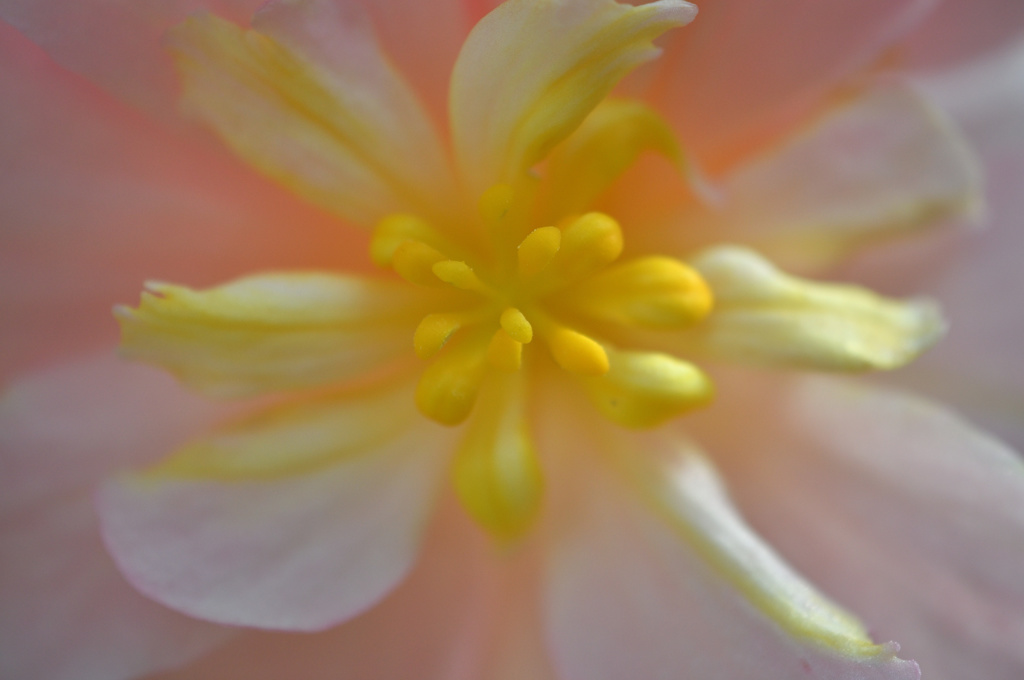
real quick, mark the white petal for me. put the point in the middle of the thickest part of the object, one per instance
(297, 520)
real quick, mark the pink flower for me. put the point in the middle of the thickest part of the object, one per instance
(631, 561)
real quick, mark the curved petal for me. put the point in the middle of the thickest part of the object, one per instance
(272, 332)
(882, 165)
(94, 199)
(655, 575)
(118, 45)
(978, 367)
(530, 72)
(762, 315)
(309, 98)
(897, 508)
(296, 520)
(69, 615)
(66, 428)
(466, 612)
(745, 71)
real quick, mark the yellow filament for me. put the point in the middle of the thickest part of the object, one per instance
(392, 232)
(494, 204)
(504, 352)
(434, 331)
(538, 249)
(448, 387)
(576, 352)
(414, 261)
(460, 275)
(516, 325)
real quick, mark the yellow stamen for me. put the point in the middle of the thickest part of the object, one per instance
(654, 292)
(393, 231)
(537, 250)
(494, 204)
(496, 472)
(414, 261)
(504, 352)
(576, 352)
(448, 387)
(516, 325)
(644, 389)
(460, 275)
(434, 331)
(590, 243)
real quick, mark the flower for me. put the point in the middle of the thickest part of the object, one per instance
(196, 532)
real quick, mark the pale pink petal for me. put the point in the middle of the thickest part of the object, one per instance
(962, 29)
(666, 581)
(296, 520)
(467, 611)
(94, 200)
(896, 507)
(118, 44)
(69, 615)
(977, 367)
(882, 165)
(744, 70)
(69, 426)
(309, 98)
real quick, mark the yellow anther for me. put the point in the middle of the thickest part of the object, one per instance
(504, 352)
(494, 204)
(653, 292)
(393, 231)
(460, 275)
(516, 325)
(644, 389)
(576, 352)
(434, 331)
(589, 243)
(414, 261)
(448, 387)
(537, 250)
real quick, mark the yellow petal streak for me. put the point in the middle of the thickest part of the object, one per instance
(496, 473)
(765, 316)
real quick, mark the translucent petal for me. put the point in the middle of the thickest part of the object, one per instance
(271, 332)
(530, 72)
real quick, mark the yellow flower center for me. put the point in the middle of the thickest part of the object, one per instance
(559, 284)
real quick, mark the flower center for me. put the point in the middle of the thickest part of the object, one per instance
(557, 283)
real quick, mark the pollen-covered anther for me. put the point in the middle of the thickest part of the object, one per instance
(652, 292)
(414, 261)
(588, 244)
(434, 331)
(576, 352)
(394, 230)
(495, 203)
(537, 250)
(448, 387)
(460, 275)
(515, 323)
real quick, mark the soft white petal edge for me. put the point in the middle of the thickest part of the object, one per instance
(269, 546)
(883, 164)
(662, 579)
